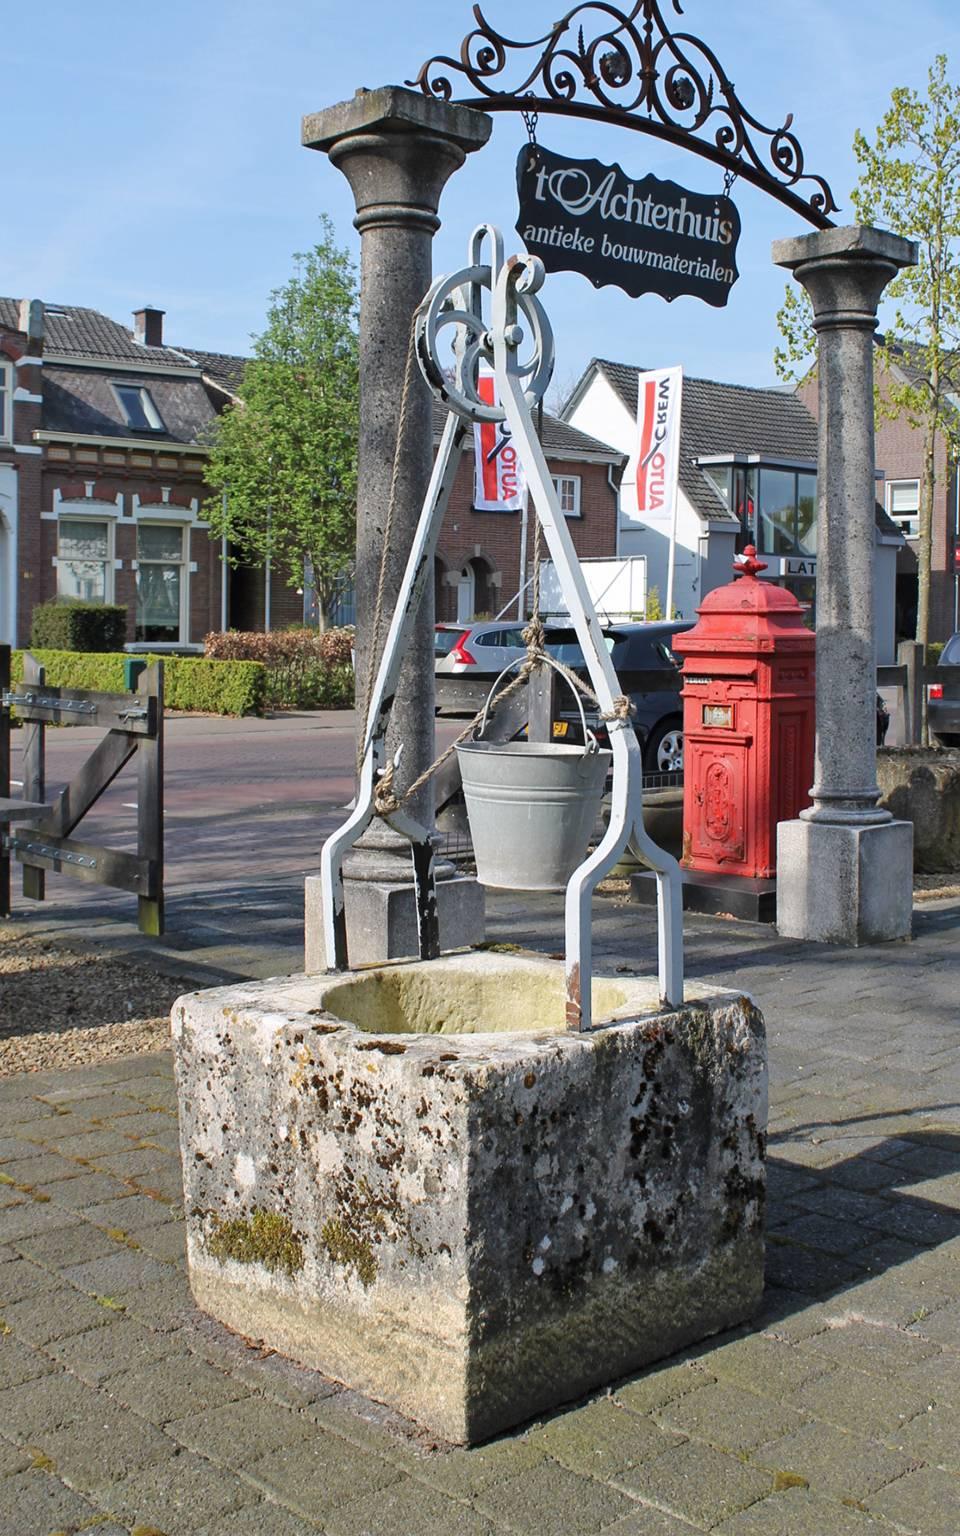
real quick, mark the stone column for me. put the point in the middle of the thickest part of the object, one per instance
(845, 868)
(397, 149)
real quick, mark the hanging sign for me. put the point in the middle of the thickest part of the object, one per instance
(644, 236)
(499, 484)
(649, 491)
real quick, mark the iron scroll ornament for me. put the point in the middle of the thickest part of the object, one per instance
(633, 72)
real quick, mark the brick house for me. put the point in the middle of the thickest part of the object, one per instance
(899, 457)
(478, 565)
(101, 478)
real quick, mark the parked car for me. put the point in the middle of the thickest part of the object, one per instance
(648, 671)
(943, 699)
(468, 658)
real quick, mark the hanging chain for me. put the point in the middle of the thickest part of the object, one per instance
(729, 177)
(530, 119)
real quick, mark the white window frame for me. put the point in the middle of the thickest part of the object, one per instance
(184, 525)
(71, 512)
(559, 481)
(908, 523)
(6, 401)
(155, 421)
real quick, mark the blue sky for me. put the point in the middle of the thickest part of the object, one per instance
(156, 154)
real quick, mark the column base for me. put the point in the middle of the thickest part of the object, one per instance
(844, 884)
(382, 919)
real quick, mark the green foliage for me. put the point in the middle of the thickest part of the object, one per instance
(305, 669)
(191, 683)
(286, 454)
(795, 321)
(72, 626)
(653, 609)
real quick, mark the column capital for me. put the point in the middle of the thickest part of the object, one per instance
(845, 271)
(397, 148)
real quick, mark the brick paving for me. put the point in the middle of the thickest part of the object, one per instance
(836, 1413)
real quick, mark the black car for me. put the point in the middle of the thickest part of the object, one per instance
(943, 698)
(648, 671)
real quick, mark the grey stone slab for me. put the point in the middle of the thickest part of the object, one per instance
(42, 1168)
(881, 1351)
(730, 1417)
(105, 1352)
(12, 1459)
(166, 1242)
(770, 1366)
(236, 1432)
(136, 1163)
(84, 1188)
(840, 1464)
(116, 1272)
(465, 1473)
(32, 1217)
(41, 1404)
(92, 1145)
(934, 1436)
(165, 1306)
(145, 1124)
(603, 1438)
(941, 1325)
(645, 1520)
(262, 1519)
(406, 1506)
(175, 1495)
(174, 1388)
(13, 1148)
(35, 1504)
(105, 1445)
(20, 1362)
(697, 1483)
(283, 1380)
(129, 1214)
(19, 1278)
(647, 1393)
(76, 1243)
(871, 1405)
(317, 1476)
(550, 1500)
(54, 1315)
(800, 1512)
(47, 1126)
(926, 1502)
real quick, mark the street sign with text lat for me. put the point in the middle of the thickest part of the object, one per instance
(644, 236)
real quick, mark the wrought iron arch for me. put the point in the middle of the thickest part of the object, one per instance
(632, 71)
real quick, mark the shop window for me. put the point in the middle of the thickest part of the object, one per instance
(161, 583)
(84, 565)
(139, 411)
(6, 403)
(903, 505)
(568, 494)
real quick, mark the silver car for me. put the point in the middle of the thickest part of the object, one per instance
(469, 657)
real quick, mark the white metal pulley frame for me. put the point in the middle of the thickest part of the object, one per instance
(517, 320)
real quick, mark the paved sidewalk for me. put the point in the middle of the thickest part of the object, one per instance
(836, 1414)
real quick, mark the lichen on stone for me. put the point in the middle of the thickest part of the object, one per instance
(265, 1238)
(345, 1247)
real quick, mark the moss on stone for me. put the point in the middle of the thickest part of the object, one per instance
(345, 1247)
(265, 1238)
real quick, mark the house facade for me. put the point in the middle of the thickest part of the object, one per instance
(899, 456)
(101, 479)
(747, 475)
(484, 561)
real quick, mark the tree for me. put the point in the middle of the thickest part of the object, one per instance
(910, 183)
(285, 453)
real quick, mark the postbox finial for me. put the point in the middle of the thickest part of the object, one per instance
(747, 564)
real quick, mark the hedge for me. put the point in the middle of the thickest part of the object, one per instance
(306, 668)
(58, 626)
(190, 682)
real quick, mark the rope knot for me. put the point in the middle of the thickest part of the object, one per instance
(622, 711)
(534, 636)
(385, 802)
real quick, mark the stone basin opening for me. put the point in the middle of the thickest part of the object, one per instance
(488, 997)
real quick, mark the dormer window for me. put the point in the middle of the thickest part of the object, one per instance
(139, 411)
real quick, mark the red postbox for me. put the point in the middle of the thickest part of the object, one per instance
(748, 724)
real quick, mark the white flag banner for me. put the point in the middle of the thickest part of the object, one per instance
(499, 484)
(650, 481)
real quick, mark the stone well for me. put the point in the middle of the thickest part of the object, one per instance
(415, 1180)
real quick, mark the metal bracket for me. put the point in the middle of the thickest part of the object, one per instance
(50, 701)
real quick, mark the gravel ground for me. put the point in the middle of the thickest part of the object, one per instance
(60, 1008)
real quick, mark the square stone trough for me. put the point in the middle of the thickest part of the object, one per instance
(414, 1179)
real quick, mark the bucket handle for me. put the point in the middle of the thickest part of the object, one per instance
(589, 740)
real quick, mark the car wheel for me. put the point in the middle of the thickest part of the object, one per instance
(664, 750)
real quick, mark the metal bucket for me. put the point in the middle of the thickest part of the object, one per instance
(532, 807)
